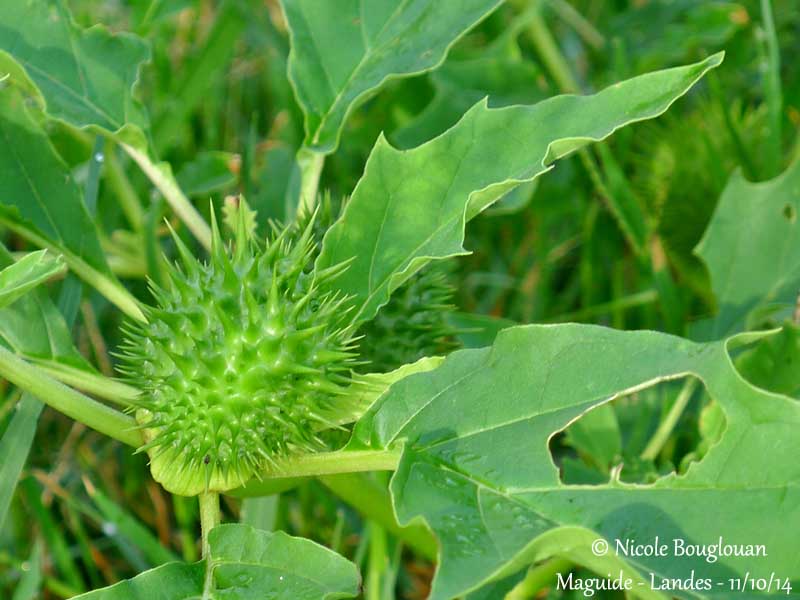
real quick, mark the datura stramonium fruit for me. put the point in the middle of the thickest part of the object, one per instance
(416, 317)
(243, 361)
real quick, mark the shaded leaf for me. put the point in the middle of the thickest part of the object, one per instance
(487, 486)
(341, 52)
(668, 31)
(15, 444)
(752, 250)
(198, 75)
(597, 435)
(411, 206)
(39, 197)
(774, 363)
(477, 330)
(85, 77)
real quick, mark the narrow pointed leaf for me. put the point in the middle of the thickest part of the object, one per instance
(35, 329)
(487, 486)
(30, 583)
(15, 445)
(411, 206)
(24, 275)
(342, 51)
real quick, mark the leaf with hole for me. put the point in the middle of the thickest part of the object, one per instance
(487, 486)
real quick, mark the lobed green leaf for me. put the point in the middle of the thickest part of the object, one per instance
(342, 51)
(752, 250)
(39, 198)
(246, 563)
(487, 486)
(411, 206)
(85, 77)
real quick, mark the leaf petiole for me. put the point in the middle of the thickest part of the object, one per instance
(664, 431)
(310, 164)
(161, 176)
(331, 463)
(98, 385)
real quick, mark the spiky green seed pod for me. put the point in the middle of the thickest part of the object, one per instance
(413, 324)
(241, 363)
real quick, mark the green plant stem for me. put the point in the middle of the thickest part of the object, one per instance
(287, 473)
(209, 518)
(637, 299)
(123, 190)
(160, 176)
(742, 151)
(256, 488)
(99, 385)
(660, 437)
(64, 399)
(550, 53)
(310, 164)
(329, 463)
(772, 90)
(378, 561)
(537, 578)
(579, 23)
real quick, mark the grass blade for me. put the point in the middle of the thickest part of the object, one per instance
(14, 447)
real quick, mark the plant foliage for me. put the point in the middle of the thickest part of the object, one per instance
(365, 397)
